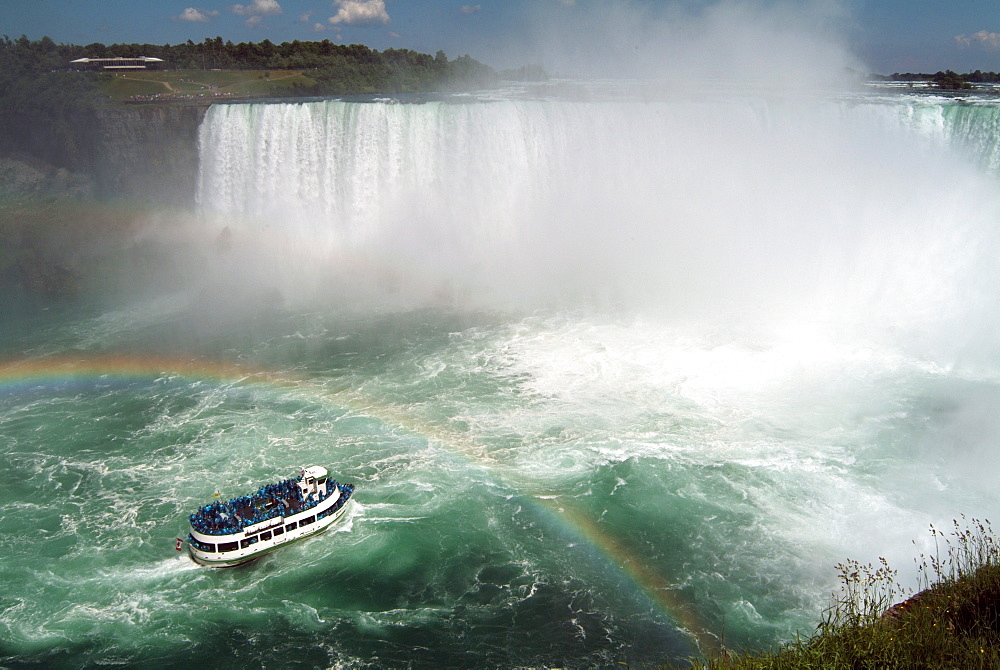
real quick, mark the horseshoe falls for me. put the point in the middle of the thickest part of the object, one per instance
(619, 377)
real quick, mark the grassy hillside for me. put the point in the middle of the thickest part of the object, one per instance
(143, 85)
(954, 622)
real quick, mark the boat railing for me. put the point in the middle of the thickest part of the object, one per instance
(270, 501)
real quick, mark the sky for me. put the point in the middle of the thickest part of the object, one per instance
(564, 36)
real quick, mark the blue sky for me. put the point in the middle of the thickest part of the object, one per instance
(882, 36)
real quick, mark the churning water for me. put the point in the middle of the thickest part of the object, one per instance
(619, 378)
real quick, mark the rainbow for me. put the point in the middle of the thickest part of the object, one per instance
(87, 368)
(21, 375)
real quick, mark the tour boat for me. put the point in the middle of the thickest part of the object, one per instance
(224, 534)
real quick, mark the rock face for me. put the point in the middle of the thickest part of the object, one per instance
(137, 152)
(72, 188)
(37, 275)
(26, 262)
(27, 178)
(148, 152)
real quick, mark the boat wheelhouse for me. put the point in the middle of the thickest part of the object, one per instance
(224, 534)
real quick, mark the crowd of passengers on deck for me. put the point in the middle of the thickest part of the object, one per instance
(270, 501)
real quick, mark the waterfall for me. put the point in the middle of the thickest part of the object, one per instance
(872, 211)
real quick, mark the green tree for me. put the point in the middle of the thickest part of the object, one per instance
(951, 81)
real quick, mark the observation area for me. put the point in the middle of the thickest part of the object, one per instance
(119, 63)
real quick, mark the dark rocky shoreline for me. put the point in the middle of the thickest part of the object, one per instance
(70, 196)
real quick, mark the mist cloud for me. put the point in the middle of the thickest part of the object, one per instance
(760, 41)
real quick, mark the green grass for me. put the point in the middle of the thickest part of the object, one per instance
(187, 84)
(279, 82)
(122, 89)
(953, 622)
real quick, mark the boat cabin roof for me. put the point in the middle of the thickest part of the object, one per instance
(314, 471)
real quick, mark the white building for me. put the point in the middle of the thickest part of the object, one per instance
(118, 63)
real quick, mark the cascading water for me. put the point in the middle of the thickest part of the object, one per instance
(615, 377)
(728, 205)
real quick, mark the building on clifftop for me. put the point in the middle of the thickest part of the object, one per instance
(119, 63)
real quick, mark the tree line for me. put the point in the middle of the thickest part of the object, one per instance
(28, 67)
(948, 79)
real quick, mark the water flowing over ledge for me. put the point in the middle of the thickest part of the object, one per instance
(759, 208)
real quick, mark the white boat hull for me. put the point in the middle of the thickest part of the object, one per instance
(248, 544)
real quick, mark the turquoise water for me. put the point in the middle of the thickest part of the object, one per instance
(551, 470)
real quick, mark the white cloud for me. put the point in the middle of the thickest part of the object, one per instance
(305, 16)
(984, 39)
(318, 27)
(257, 8)
(359, 12)
(471, 9)
(197, 15)
(254, 21)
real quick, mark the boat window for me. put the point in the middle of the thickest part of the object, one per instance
(228, 546)
(308, 520)
(265, 536)
(201, 546)
(279, 531)
(248, 541)
(292, 526)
